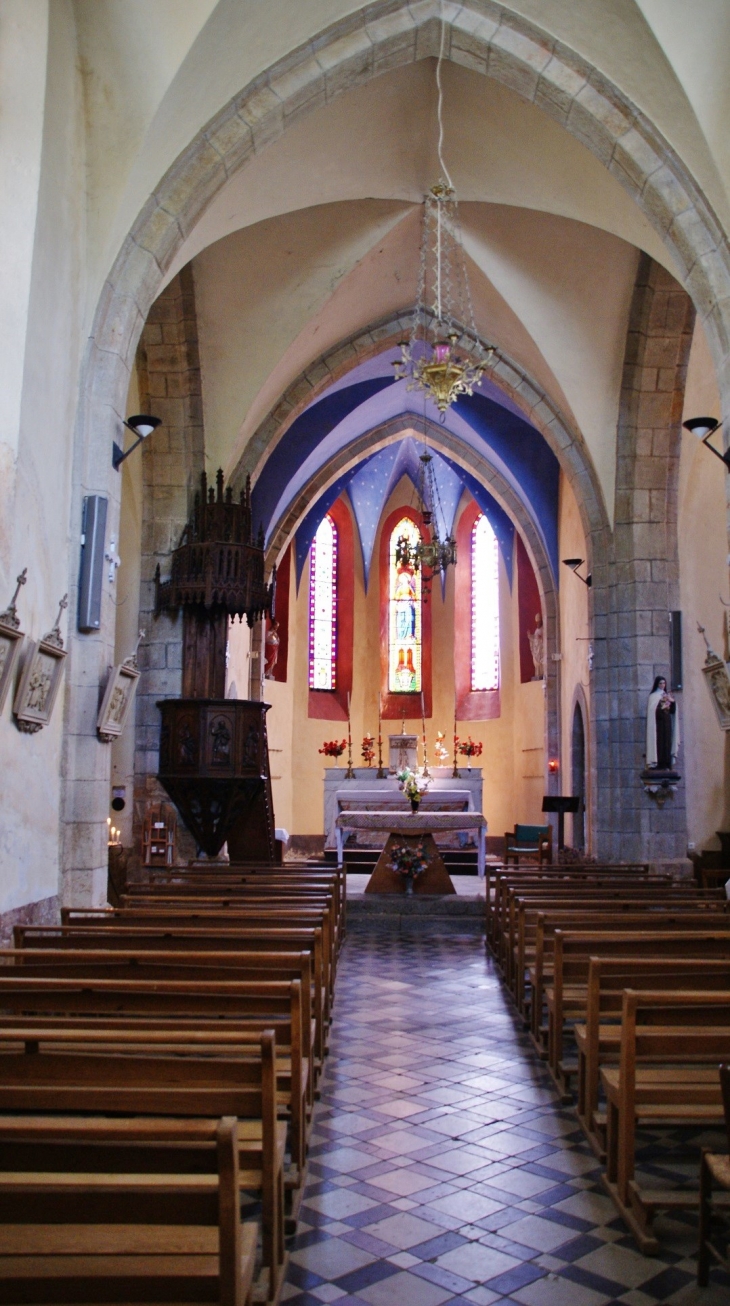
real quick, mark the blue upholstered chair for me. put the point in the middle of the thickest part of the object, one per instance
(529, 842)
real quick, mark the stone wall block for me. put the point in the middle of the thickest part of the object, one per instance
(635, 157)
(510, 71)
(138, 281)
(428, 34)
(557, 87)
(191, 183)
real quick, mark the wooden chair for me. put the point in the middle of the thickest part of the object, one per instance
(714, 1171)
(86, 1207)
(671, 1044)
(532, 842)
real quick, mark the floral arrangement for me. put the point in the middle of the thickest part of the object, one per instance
(440, 751)
(334, 747)
(409, 860)
(413, 786)
(367, 752)
(468, 748)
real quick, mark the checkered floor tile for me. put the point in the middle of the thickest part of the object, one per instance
(442, 1167)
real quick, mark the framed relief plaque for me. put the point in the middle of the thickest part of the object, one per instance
(117, 701)
(11, 642)
(39, 685)
(718, 683)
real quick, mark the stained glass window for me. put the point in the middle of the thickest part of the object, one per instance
(323, 607)
(404, 616)
(484, 606)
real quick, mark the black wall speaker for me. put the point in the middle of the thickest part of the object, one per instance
(675, 650)
(93, 530)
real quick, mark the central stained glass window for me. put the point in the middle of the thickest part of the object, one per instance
(404, 616)
(484, 606)
(323, 607)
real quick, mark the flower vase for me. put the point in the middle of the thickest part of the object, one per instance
(415, 804)
(409, 886)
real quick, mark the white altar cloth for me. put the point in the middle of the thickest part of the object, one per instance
(442, 786)
(410, 823)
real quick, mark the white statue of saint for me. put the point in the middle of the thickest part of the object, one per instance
(537, 648)
(662, 728)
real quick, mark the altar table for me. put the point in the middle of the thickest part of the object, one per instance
(412, 823)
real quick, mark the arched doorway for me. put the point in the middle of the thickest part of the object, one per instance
(578, 776)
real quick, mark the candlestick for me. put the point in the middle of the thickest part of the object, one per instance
(455, 773)
(381, 772)
(426, 771)
(349, 773)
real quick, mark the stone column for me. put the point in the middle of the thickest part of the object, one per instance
(169, 376)
(637, 585)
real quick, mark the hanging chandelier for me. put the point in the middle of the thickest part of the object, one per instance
(438, 552)
(443, 355)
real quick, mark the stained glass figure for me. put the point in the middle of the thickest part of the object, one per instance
(404, 617)
(323, 607)
(484, 606)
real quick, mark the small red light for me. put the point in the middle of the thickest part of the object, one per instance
(553, 765)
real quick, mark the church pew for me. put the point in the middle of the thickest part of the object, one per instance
(107, 1209)
(523, 905)
(497, 913)
(635, 916)
(258, 922)
(261, 1004)
(497, 875)
(34, 1078)
(537, 919)
(599, 888)
(680, 1087)
(287, 890)
(279, 878)
(266, 945)
(244, 896)
(508, 887)
(597, 1031)
(255, 958)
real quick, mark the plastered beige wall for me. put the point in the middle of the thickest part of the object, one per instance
(38, 478)
(705, 752)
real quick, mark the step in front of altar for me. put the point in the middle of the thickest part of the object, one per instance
(397, 913)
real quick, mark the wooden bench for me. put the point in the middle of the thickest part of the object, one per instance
(520, 935)
(710, 918)
(495, 874)
(704, 963)
(259, 1004)
(258, 924)
(278, 881)
(101, 1209)
(38, 1075)
(666, 1077)
(507, 884)
(270, 943)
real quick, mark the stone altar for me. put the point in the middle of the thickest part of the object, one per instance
(364, 792)
(410, 825)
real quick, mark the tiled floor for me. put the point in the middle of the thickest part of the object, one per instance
(442, 1168)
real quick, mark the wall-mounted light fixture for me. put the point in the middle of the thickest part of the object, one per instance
(141, 425)
(574, 564)
(703, 428)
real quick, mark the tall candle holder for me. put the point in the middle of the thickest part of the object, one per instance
(349, 773)
(381, 772)
(425, 773)
(455, 773)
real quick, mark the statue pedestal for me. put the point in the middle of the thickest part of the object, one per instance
(435, 878)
